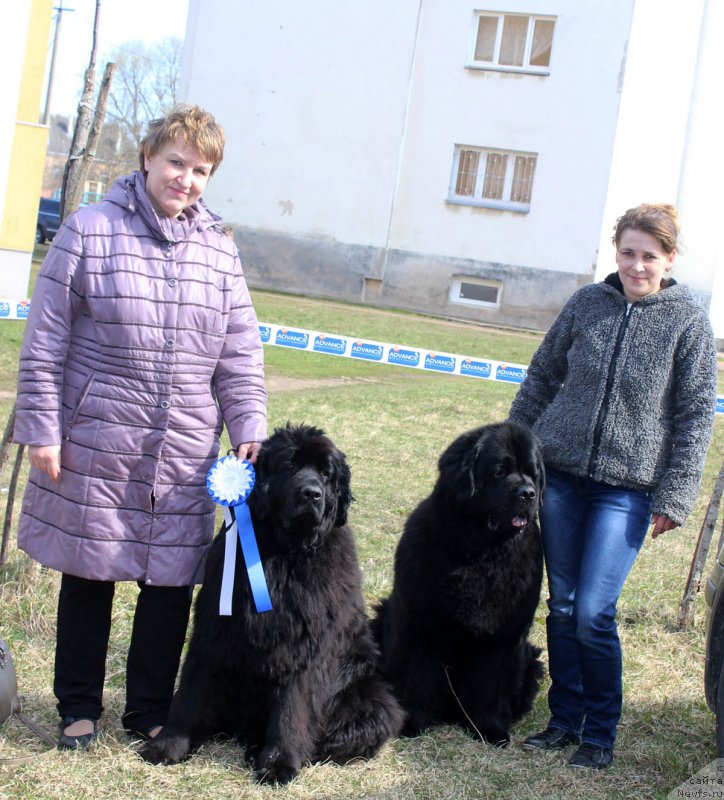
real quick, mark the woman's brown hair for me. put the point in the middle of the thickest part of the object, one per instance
(197, 127)
(658, 219)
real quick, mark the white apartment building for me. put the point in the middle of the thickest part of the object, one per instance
(460, 159)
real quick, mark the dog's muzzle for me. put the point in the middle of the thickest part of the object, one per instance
(309, 493)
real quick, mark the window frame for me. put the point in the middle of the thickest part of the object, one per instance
(459, 280)
(526, 67)
(477, 199)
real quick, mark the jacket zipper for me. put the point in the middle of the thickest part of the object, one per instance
(603, 411)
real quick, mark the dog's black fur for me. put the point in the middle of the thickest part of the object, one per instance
(468, 570)
(299, 683)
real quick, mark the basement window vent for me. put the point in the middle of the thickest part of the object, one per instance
(476, 292)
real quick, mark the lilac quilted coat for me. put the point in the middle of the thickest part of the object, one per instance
(141, 342)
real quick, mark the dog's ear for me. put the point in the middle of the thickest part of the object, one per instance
(344, 493)
(457, 465)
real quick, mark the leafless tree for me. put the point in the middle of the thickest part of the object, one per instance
(145, 86)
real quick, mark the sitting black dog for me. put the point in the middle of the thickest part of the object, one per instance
(468, 572)
(299, 683)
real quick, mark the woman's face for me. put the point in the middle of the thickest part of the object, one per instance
(642, 263)
(177, 175)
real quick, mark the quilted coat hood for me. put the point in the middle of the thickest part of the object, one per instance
(129, 193)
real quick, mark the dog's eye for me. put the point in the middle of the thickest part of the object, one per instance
(500, 471)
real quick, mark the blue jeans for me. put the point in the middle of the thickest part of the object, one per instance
(592, 533)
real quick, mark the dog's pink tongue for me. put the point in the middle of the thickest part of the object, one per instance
(519, 522)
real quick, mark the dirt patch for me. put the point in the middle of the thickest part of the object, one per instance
(283, 383)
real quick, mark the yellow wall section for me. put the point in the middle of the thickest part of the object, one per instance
(17, 229)
(36, 49)
(24, 181)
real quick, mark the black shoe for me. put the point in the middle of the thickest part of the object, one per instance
(591, 756)
(82, 742)
(549, 739)
(145, 734)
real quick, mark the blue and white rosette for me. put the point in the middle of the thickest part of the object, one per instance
(230, 482)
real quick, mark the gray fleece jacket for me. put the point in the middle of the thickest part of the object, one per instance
(626, 394)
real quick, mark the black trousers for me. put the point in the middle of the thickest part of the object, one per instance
(84, 626)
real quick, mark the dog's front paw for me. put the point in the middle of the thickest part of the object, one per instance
(494, 736)
(274, 767)
(416, 722)
(166, 749)
(251, 755)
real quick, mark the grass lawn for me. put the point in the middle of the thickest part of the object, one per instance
(392, 423)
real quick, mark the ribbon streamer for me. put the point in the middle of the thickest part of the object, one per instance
(230, 482)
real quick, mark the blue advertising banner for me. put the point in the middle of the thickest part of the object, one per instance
(352, 347)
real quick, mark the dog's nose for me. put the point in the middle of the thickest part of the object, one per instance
(526, 494)
(312, 493)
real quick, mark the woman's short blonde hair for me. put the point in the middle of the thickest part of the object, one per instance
(197, 127)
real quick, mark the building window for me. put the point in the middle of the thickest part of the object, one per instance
(475, 291)
(492, 178)
(511, 42)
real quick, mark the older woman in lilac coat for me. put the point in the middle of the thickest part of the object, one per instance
(142, 342)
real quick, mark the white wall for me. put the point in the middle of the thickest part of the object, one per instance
(312, 97)
(653, 121)
(342, 120)
(700, 199)
(668, 141)
(567, 117)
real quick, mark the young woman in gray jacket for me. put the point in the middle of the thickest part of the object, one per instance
(621, 393)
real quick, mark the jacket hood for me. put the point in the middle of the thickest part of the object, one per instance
(129, 192)
(671, 291)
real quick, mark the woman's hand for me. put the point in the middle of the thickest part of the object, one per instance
(248, 451)
(661, 524)
(46, 458)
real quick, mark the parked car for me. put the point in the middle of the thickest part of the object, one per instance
(714, 667)
(48, 219)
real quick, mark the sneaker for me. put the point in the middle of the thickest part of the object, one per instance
(76, 741)
(591, 756)
(549, 739)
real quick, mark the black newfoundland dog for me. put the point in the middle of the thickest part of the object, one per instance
(468, 571)
(299, 683)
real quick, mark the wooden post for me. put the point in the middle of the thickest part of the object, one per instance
(7, 438)
(76, 165)
(686, 607)
(84, 150)
(12, 489)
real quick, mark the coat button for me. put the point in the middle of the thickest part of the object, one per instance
(165, 404)
(170, 343)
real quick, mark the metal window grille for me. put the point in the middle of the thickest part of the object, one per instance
(467, 172)
(493, 177)
(520, 190)
(495, 169)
